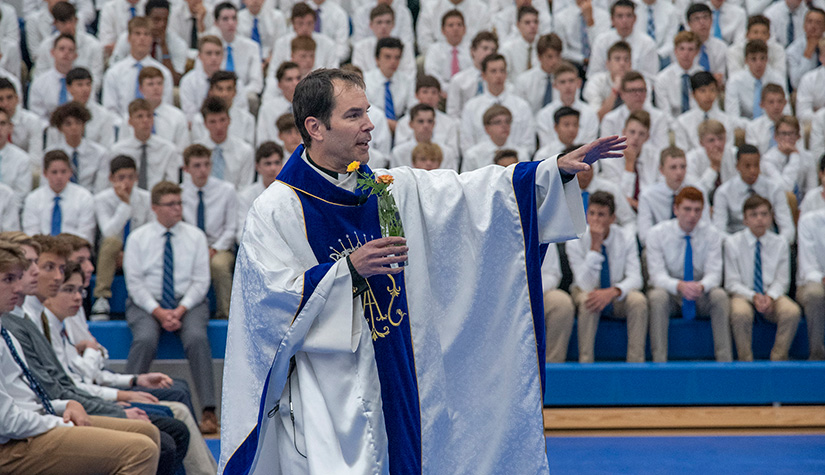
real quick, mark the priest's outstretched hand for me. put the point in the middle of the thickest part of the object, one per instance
(584, 156)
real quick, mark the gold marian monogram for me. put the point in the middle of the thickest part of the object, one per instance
(376, 317)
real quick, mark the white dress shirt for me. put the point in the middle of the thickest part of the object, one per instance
(162, 156)
(779, 14)
(740, 92)
(515, 49)
(271, 109)
(39, 25)
(402, 155)
(588, 122)
(334, 24)
(9, 40)
(644, 57)
(76, 207)
(568, 25)
(89, 55)
(445, 130)
(401, 88)
(402, 30)
(647, 171)
(810, 96)
(239, 157)
(241, 125)
(170, 124)
(811, 252)
(504, 20)
(114, 19)
(531, 86)
(464, 86)
(247, 61)
(143, 264)
(656, 205)
(776, 58)
(93, 167)
(16, 171)
(717, 51)
(326, 55)
(181, 22)
(271, 26)
(666, 245)
(760, 133)
(194, 86)
(665, 21)
(363, 56)
(28, 133)
(120, 81)
(220, 210)
(476, 18)
(800, 64)
(814, 200)
(732, 22)
(668, 86)
(44, 93)
(438, 62)
(522, 130)
(729, 198)
(112, 213)
(625, 216)
(740, 249)
(481, 154)
(795, 173)
(245, 199)
(686, 126)
(176, 46)
(622, 257)
(700, 172)
(102, 127)
(9, 209)
(614, 121)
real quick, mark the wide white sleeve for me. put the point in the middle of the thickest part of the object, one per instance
(557, 202)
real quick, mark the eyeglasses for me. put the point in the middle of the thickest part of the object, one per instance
(786, 134)
(638, 90)
(501, 122)
(171, 204)
(71, 289)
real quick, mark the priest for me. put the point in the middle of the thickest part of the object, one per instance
(339, 360)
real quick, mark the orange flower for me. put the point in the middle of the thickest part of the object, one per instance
(384, 179)
(353, 166)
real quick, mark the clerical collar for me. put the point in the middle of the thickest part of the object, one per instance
(329, 172)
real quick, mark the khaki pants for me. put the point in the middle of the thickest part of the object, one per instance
(633, 308)
(558, 324)
(714, 303)
(221, 266)
(110, 247)
(784, 312)
(109, 445)
(812, 298)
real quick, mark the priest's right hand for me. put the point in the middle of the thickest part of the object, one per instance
(374, 257)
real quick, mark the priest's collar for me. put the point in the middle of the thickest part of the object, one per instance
(302, 174)
(329, 172)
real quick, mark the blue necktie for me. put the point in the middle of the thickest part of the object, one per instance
(230, 60)
(154, 119)
(480, 88)
(672, 204)
(389, 106)
(126, 230)
(651, 25)
(604, 280)
(201, 212)
(704, 61)
(585, 39)
(167, 299)
(585, 200)
(772, 143)
(791, 30)
(688, 306)
(717, 30)
(757, 269)
(548, 92)
(138, 94)
(256, 35)
(132, 12)
(757, 98)
(33, 383)
(57, 217)
(685, 92)
(75, 167)
(218, 163)
(317, 20)
(64, 93)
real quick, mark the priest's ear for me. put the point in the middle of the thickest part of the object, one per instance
(315, 128)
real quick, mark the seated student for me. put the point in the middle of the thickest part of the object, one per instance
(181, 18)
(302, 52)
(402, 21)
(119, 209)
(566, 126)
(48, 89)
(731, 195)
(382, 24)
(806, 49)
(382, 137)
(427, 156)
(61, 206)
(261, 25)
(536, 84)
(497, 124)
(634, 92)
(269, 159)
(558, 308)
(15, 166)
(661, 21)
(211, 204)
(468, 83)
(788, 163)
(684, 261)
(810, 279)
(673, 92)
(566, 82)
(705, 93)
(157, 159)
(607, 279)
(656, 200)
(277, 103)
(428, 91)
(74, 441)
(728, 20)
(87, 157)
(450, 55)
(757, 276)
(520, 47)
(714, 162)
(815, 198)
(114, 19)
(170, 294)
(760, 131)
(28, 127)
(809, 95)
(504, 18)
(590, 183)
(194, 85)
(169, 122)
(422, 123)
(100, 128)
(759, 28)
(223, 85)
(288, 134)
(578, 26)
(494, 74)
(712, 50)
(302, 19)
(386, 89)
(639, 168)
(744, 88)
(231, 156)
(9, 210)
(645, 58)
(428, 27)
(602, 90)
(242, 56)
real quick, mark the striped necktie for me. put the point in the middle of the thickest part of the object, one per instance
(33, 383)
(201, 212)
(757, 269)
(167, 299)
(651, 25)
(75, 167)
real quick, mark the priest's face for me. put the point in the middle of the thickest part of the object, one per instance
(348, 136)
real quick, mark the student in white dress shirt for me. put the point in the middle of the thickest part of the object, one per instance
(566, 128)
(674, 95)
(590, 183)
(728, 19)
(712, 50)
(28, 127)
(639, 168)
(223, 85)
(119, 210)
(744, 88)
(607, 279)
(233, 159)
(536, 84)
(428, 91)
(660, 20)
(386, 88)
(810, 291)
(120, 83)
(788, 163)
(262, 25)
(167, 47)
(633, 91)
(269, 159)
(61, 206)
(450, 56)
(714, 162)
(114, 20)
(729, 198)
(623, 17)
(102, 125)
(695, 289)
(504, 17)
(781, 13)
(602, 90)
(558, 308)
(194, 85)
(428, 30)
(48, 90)
(759, 28)
(815, 198)
(520, 48)
(705, 95)
(402, 21)
(242, 56)
(302, 19)
(381, 25)
(15, 165)
(581, 21)
(567, 83)
(497, 122)
(87, 158)
(38, 23)
(806, 48)
(332, 21)
(421, 124)
(468, 84)
(211, 204)
(810, 96)
(277, 103)
(760, 131)
(191, 19)
(757, 276)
